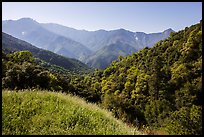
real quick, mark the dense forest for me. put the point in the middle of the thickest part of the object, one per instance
(158, 87)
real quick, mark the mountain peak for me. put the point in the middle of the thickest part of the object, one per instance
(169, 30)
(123, 30)
(101, 30)
(25, 19)
(28, 20)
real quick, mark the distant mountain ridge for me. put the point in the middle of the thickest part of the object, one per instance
(96, 40)
(83, 45)
(31, 31)
(100, 42)
(10, 43)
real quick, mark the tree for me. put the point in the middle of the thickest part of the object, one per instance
(43, 79)
(21, 56)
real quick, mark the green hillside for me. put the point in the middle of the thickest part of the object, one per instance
(30, 112)
(160, 86)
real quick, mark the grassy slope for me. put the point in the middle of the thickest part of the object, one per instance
(42, 112)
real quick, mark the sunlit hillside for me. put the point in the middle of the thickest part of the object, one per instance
(41, 112)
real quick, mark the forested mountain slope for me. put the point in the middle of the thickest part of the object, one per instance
(160, 86)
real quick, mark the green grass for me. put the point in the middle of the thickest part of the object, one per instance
(50, 113)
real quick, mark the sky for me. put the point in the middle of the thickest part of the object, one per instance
(148, 17)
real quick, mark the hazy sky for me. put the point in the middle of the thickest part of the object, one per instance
(134, 16)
